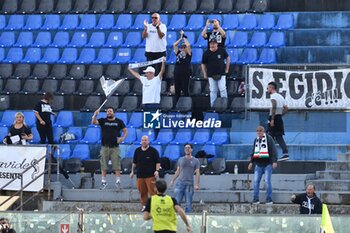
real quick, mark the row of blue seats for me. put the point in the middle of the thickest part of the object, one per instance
(123, 56)
(126, 21)
(79, 39)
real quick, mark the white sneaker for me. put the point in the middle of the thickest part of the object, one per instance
(118, 186)
(143, 208)
(103, 186)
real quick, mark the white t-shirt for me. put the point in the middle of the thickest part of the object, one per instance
(153, 43)
(151, 90)
(280, 102)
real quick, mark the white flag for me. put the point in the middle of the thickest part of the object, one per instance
(109, 86)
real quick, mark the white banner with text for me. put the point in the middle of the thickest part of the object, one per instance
(15, 159)
(311, 90)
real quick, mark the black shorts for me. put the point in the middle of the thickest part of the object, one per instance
(278, 129)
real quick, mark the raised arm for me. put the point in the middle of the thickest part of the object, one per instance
(188, 46)
(162, 70)
(205, 29)
(222, 32)
(134, 73)
(94, 120)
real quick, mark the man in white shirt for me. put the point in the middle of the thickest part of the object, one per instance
(155, 35)
(276, 127)
(151, 86)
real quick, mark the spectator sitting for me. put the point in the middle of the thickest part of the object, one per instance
(19, 131)
(309, 202)
(182, 70)
(151, 86)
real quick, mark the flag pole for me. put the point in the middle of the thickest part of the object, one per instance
(99, 109)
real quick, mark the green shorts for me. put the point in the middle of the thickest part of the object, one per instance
(110, 153)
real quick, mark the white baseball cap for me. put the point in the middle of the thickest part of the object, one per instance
(149, 69)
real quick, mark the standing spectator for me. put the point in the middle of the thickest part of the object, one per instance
(162, 209)
(217, 33)
(5, 226)
(309, 202)
(155, 35)
(276, 127)
(264, 156)
(147, 163)
(215, 66)
(20, 129)
(187, 166)
(151, 87)
(43, 113)
(110, 139)
(182, 70)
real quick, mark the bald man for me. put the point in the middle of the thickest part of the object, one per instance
(309, 202)
(155, 35)
(146, 160)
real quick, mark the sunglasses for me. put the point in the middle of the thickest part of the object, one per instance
(154, 17)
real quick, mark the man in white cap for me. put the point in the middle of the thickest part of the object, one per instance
(151, 86)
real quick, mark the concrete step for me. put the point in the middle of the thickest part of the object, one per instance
(208, 196)
(330, 184)
(337, 166)
(219, 208)
(336, 175)
(343, 157)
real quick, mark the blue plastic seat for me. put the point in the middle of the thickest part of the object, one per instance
(230, 22)
(52, 22)
(92, 135)
(248, 22)
(25, 39)
(105, 56)
(2, 54)
(234, 55)
(201, 42)
(164, 19)
(195, 22)
(33, 55)
(51, 55)
(171, 37)
(124, 21)
(87, 56)
(136, 120)
(2, 22)
(3, 132)
(133, 39)
(148, 132)
(197, 54)
(182, 136)
(69, 55)
(33, 22)
(240, 39)
(158, 148)
(16, 22)
(79, 39)
(14, 55)
(210, 150)
(65, 151)
(7, 118)
(138, 23)
(81, 151)
(61, 39)
(57, 132)
(171, 58)
(284, 22)
(115, 39)
(191, 37)
(172, 152)
(7, 39)
(219, 137)
(131, 151)
(123, 56)
(276, 40)
(105, 22)
(64, 119)
(87, 22)
(70, 22)
(131, 137)
(77, 132)
(201, 136)
(258, 40)
(43, 39)
(215, 16)
(36, 136)
(249, 56)
(122, 116)
(177, 22)
(164, 136)
(267, 56)
(266, 22)
(139, 56)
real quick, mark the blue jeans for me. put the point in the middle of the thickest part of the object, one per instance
(182, 190)
(214, 85)
(258, 172)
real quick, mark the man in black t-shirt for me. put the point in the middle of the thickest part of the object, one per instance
(215, 66)
(217, 33)
(110, 135)
(146, 160)
(43, 111)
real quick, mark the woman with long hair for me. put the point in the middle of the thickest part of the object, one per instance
(19, 128)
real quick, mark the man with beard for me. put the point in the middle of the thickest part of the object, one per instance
(217, 33)
(110, 139)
